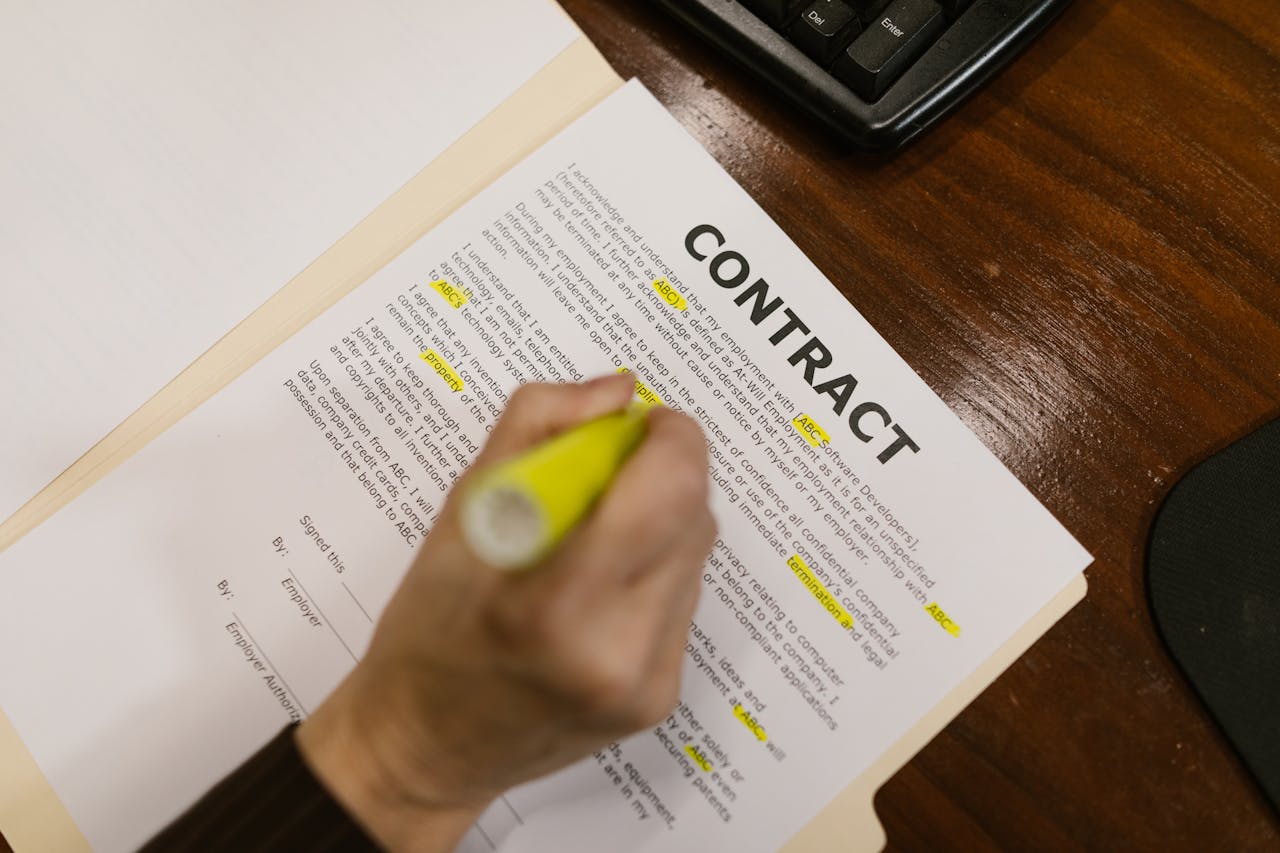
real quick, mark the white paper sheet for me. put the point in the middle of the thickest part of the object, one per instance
(164, 168)
(222, 581)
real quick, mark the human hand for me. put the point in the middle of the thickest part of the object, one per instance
(477, 680)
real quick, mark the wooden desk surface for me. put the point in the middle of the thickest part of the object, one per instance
(1084, 262)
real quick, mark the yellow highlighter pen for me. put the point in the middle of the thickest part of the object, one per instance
(518, 511)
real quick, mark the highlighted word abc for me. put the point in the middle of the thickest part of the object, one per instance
(810, 431)
(454, 295)
(744, 717)
(670, 295)
(699, 758)
(940, 616)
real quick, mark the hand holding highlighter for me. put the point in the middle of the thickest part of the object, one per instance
(480, 678)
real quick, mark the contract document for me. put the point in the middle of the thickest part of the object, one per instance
(220, 583)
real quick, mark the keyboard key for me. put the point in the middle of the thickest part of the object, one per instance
(775, 13)
(888, 46)
(824, 29)
(953, 8)
(868, 9)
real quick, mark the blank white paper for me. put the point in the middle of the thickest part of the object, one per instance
(165, 167)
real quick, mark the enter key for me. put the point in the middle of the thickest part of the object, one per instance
(890, 43)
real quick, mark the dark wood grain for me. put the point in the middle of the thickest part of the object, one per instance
(1084, 262)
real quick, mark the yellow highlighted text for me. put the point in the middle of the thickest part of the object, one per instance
(699, 758)
(940, 616)
(454, 295)
(646, 394)
(443, 370)
(820, 592)
(670, 295)
(744, 717)
(810, 431)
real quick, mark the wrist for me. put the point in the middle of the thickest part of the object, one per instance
(353, 751)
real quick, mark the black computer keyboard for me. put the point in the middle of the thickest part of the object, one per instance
(877, 71)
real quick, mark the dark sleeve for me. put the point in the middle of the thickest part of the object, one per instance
(271, 802)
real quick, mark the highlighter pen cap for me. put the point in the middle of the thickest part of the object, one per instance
(516, 512)
(504, 525)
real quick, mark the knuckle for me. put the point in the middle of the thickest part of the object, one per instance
(606, 684)
(690, 432)
(506, 625)
(680, 426)
(523, 625)
(710, 527)
(654, 706)
(531, 395)
(687, 485)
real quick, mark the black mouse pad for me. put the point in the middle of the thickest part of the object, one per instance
(1213, 575)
